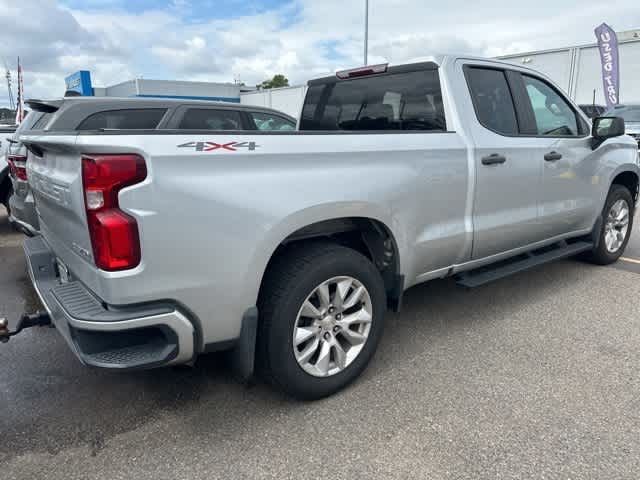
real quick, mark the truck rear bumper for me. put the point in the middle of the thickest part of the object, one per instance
(132, 337)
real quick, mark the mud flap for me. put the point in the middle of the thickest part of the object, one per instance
(242, 355)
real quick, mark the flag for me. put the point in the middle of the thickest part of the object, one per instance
(609, 56)
(20, 100)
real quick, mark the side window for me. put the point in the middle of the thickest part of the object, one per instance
(268, 122)
(492, 100)
(131, 119)
(210, 119)
(554, 116)
(394, 101)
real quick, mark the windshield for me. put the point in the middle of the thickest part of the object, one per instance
(630, 114)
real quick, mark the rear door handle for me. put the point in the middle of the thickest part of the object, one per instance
(494, 159)
(553, 156)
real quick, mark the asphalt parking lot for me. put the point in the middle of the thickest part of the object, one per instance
(535, 376)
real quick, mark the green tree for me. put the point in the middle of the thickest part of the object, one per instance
(277, 81)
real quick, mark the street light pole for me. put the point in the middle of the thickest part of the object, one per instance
(366, 32)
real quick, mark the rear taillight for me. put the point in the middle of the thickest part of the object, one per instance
(18, 166)
(114, 234)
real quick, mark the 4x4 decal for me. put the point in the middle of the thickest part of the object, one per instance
(211, 146)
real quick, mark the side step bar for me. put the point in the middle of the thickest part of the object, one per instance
(502, 269)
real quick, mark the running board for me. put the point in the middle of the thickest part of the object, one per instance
(502, 269)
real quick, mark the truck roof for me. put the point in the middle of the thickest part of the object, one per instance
(435, 61)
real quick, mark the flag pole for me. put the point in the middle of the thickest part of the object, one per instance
(366, 32)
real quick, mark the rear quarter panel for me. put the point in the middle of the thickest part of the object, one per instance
(210, 219)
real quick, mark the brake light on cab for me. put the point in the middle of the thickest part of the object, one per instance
(18, 166)
(363, 71)
(114, 234)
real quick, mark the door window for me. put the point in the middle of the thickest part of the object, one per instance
(210, 119)
(268, 122)
(554, 116)
(492, 100)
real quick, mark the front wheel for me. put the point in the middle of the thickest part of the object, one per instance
(616, 227)
(321, 309)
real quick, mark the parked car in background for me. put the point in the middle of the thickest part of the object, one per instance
(22, 211)
(137, 114)
(631, 114)
(191, 235)
(5, 181)
(593, 110)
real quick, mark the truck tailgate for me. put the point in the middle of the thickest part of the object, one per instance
(55, 176)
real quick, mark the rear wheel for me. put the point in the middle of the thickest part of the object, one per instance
(616, 227)
(321, 308)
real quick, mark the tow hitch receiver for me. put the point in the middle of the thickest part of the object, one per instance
(8, 330)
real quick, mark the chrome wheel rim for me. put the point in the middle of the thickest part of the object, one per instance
(617, 226)
(332, 326)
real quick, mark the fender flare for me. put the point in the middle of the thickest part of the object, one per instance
(624, 168)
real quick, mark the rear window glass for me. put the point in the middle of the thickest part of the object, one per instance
(130, 119)
(400, 101)
(38, 122)
(210, 119)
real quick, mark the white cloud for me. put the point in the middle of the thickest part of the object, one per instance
(303, 39)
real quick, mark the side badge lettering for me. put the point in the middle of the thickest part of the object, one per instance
(211, 146)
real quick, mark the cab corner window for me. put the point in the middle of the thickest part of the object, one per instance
(553, 115)
(492, 100)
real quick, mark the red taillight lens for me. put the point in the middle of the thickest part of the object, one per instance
(18, 166)
(114, 234)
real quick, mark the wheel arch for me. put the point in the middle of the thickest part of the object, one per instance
(364, 228)
(629, 179)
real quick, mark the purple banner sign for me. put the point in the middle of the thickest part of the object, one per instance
(608, 46)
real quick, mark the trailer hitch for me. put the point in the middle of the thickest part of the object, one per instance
(39, 319)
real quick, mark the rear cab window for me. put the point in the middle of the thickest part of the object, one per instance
(124, 119)
(403, 101)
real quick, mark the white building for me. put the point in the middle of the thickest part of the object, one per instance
(578, 69)
(287, 99)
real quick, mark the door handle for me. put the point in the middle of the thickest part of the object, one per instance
(494, 159)
(553, 156)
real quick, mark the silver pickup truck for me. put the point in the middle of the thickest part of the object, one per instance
(286, 248)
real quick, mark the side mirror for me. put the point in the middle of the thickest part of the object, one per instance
(606, 127)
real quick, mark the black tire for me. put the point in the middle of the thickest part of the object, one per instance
(601, 255)
(8, 193)
(290, 279)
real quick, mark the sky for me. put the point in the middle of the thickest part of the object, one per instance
(251, 40)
